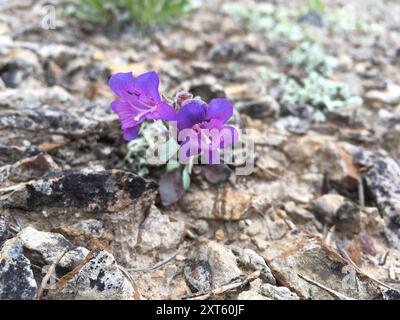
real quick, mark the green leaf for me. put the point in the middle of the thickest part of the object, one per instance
(171, 148)
(172, 165)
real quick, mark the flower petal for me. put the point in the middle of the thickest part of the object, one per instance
(214, 124)
(126, 113)
(147, 84)
(211, 156)
(229, 136)
(220, 109)
(131, 133)
(188, 149)
(122, 84)
(191, 113)
(164, 112)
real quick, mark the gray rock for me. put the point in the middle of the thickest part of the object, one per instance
(251, 295)
(43, 247)
(261, 108)
(99, 278)
(16, 277)
(10, 153)
(333, 160)
(390, 96)
(336, 209)
(119, 200)
(198, 275)
(222, 261)
(5, 230)
(293, 124)
(27, 169)
(231, 206)
(73, 258)
(277, 293)
(89, 226)
(207, 88)
(308, 256)
(160, 233)
(296, 213)
(382, 181)
(107, 191)
(52, 116)
(253, 261)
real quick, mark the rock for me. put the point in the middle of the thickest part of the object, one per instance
(29, 99)
(43, 247)
(73, 258)
(92, 226)
(382, 179)
(198, 275)
(98, 277)
(277, 293)
(303, 149)
(10, 153)
(292, 124)
(222, 261)
(251, 295)
(27, 169)
(262, 108)
(296, 213)
(251, 260)
(334, 161)
(226, 50)
(372, 222)
(221, 202)
(216, 173)
(5, 230)
(16, 277)
(107, 191)
(308, 256)
(390, 96)
(299, 193)
(51, 116)
(206, 87)
(337, 210)
(17, 65)
(390, 294)
(117, 198)
(87, 233)
(160, 233)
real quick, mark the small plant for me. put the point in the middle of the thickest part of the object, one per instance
(316, 5)
(276, 22)
(147, 13)
(96, 11)
(143, 13)
(161, 131)
(320, 94)
(310, 56)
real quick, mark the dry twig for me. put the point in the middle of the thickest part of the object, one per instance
(158, 264)
(229, 287)
(332, 292)
(49, 273)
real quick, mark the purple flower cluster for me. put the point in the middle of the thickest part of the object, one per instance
(201, 126)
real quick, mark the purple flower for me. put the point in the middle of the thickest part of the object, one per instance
(202, 128)
(139, 101)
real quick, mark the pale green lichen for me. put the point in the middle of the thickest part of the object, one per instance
(322, 94)
(275, 22)
(144, 145)
(310, 57)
